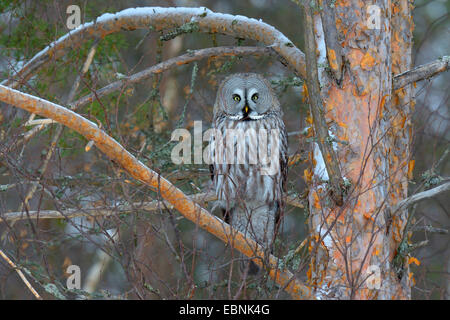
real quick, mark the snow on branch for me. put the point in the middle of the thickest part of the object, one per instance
(158, 19)
(181, 202)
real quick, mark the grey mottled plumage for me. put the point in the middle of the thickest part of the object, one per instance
(250, 198)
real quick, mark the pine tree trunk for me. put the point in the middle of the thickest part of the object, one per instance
(353, 246)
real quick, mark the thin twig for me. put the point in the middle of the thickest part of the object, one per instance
(21, 275)
(59, 129)
(154, 205)
(431, 229)
(102, 259)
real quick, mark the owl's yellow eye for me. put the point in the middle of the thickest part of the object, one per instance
(236, 97)
(255, 97)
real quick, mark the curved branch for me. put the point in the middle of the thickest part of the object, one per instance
(158, 19)
(170, 63)
(191, 56)
(186, 206)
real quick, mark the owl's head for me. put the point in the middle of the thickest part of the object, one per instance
(245, 97)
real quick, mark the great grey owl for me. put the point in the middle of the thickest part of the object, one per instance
(249, 157)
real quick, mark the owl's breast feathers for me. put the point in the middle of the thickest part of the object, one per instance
(248, 164)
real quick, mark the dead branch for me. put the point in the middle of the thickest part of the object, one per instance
(100, 211)
(405, 203)
(39, 122)
(334, 48)
(186, 206)
(421, 72)
(21, 275)
(159, 19)
(431, 229)
(207, 21)
(418, 245)
(168, 64)
(154, 205)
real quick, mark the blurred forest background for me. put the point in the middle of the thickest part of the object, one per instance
(159, 254)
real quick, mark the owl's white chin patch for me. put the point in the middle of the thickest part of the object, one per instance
(241, 116)
(235, 117)
(256, 116)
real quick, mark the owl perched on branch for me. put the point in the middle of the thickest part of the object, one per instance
(249, 158)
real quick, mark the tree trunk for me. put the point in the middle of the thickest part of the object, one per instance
(353, 246)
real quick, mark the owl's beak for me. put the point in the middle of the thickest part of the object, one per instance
(245, 111)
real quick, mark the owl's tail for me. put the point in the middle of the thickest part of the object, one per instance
(258, 222)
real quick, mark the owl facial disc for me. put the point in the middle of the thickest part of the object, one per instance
(245, 97)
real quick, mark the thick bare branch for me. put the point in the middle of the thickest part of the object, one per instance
(334, 48)
(192, 56)
(315, 101)
(421, 72)
(159, 19)
(186, 206)
(405, 203)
